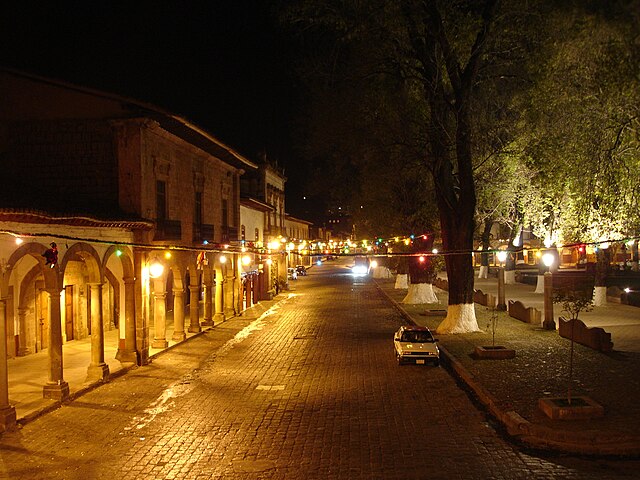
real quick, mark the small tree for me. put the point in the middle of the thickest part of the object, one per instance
(493, 323)
(573, 302)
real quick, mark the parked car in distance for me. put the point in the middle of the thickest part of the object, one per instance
(415, 344)
(301, 269)
(292, 273)
(361, 266)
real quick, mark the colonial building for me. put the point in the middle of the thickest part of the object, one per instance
(114, 214)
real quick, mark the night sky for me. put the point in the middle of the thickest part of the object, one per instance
(225, 65)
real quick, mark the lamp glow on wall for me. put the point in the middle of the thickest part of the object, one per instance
(155, 269)
(246, 260)
(222, 259)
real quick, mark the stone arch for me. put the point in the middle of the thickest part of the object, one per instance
(30, 337)
(52, 276)
(126, 258)
(87, 254)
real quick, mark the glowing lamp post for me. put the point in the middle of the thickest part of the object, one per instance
(502, 256)
(156, 269)
(548, 322)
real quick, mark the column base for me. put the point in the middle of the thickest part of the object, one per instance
(218, 318)
(23, 352)
(501, 307)
(124, 356)
(549, 325)
(98, 373)
(159, 343)
(144, 357)
(194, 329)
(179, 336)
(229, 313)
(56, 391)
(7, 418)
(207, 323)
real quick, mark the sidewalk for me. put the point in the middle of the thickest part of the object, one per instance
(510, 389)
(28, 375)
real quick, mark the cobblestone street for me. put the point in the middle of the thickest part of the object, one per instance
(305, 388)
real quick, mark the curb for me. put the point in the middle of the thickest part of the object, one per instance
(535, 436)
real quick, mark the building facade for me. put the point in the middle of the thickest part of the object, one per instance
(114, 214)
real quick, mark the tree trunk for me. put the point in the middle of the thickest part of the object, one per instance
(420, 293)
(456, 204)
(485, 238)
(402, 281)
(602, 269)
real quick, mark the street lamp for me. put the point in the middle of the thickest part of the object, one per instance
(502, 256)
(548, 323)
(156, 269)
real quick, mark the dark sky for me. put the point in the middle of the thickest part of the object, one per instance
(224, 65)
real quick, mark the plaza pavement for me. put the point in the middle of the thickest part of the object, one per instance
(510, 389)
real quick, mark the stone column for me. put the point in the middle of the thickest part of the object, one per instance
(208, 296)
(7, 412)
(159, 316)
(194, 310)
(130, 352)
(98, 370)
(56, 388)
(219, 300)
(178, 316)
(141, 307)
(229, 310)
(23, 348)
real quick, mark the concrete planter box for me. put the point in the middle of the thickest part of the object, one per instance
(496, 352)
(558, 408)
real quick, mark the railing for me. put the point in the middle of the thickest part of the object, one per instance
(203, 231)
(168, 230)
(229, 234)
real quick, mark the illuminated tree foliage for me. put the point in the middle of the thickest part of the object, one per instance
(444, 73)
(584, 125)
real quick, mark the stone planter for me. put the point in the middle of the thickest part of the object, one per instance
(580, 408)
(496, 352)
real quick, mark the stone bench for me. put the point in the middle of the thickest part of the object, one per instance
(528, 315)
(593, 337)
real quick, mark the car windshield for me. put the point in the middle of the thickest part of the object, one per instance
(416, 337)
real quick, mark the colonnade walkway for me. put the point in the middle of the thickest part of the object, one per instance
(29, 374)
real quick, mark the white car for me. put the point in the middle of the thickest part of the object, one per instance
(414, 344)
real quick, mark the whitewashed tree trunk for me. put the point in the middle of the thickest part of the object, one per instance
(402, 281)
(484, 272)
(460, 319)
(599, 296)
(420, 293)
(381, 272)
(510, 277)
(540, 284)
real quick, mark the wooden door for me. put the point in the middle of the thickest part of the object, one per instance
(42, 317)
(68, 312)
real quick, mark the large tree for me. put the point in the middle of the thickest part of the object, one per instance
(449, 67)
(584, 128)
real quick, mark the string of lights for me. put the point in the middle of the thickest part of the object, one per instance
(341, 249)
